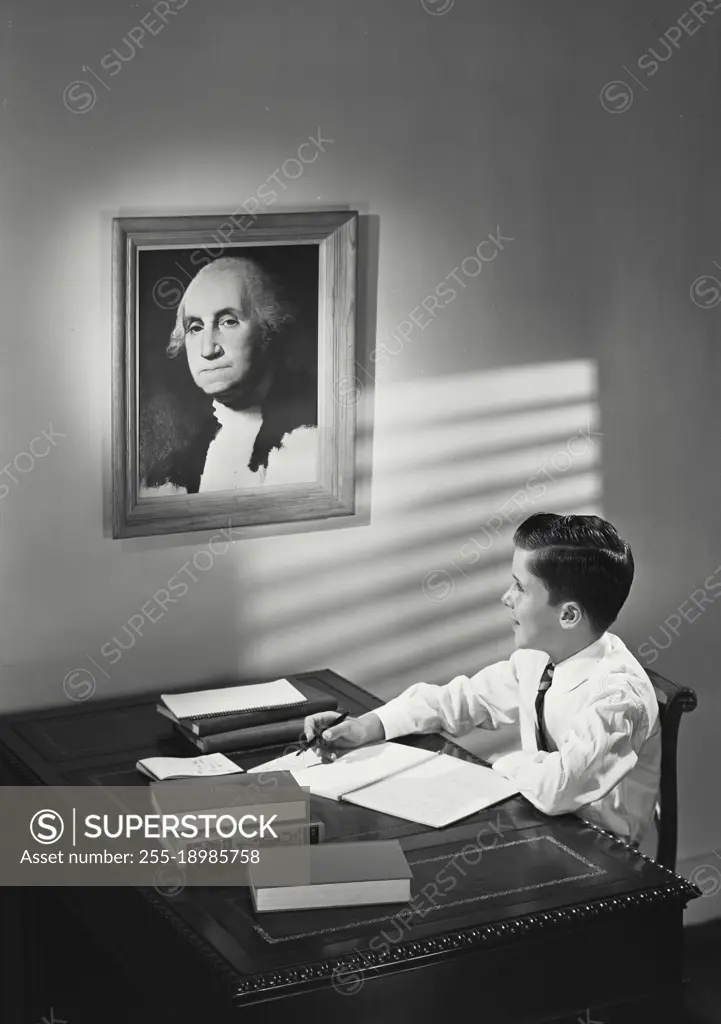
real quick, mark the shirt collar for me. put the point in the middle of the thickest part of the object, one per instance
(236, 419)
(573, 671)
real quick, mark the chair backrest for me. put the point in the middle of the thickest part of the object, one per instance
(673, 701)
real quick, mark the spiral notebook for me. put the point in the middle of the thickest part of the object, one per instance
(232, 700)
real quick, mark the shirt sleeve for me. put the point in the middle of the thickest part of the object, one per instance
(599, 749)
(489, 699)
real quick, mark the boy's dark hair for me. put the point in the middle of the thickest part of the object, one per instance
(579, 558)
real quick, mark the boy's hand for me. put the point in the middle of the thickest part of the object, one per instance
(353, 732)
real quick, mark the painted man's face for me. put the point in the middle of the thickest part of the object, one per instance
(218, 342)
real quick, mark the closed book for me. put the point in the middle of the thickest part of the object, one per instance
(202, 813)
(316, 702)
(278, 795)
(289, 833)
(268, 735)
(341, 875)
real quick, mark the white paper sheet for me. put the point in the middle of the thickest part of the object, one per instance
(353, 769)
(205, 766)
(436, 792)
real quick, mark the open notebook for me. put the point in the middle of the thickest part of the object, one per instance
(430, 788)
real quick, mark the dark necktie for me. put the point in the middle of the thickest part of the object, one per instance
(546, 680)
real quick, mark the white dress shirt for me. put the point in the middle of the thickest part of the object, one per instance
(226, 464)
(601, 720)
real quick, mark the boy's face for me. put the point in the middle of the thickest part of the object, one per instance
(535, 622)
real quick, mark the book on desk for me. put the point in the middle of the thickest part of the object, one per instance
(342, 875)
(234, 795)
(241, 717)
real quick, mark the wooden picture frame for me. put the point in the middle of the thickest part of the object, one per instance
(144, 501)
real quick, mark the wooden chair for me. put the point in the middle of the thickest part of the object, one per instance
(673, 700)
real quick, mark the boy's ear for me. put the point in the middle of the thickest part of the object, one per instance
(571, 614)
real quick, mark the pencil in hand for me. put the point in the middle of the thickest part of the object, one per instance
(319, 724)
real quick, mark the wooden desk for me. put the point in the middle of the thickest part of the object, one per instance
(537, 918)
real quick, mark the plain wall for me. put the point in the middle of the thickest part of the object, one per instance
(446, 128)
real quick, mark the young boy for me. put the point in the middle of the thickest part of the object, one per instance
(587, 711)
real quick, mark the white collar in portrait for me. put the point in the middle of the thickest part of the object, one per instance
(226, 464)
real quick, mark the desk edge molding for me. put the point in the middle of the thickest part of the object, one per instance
(348, 971)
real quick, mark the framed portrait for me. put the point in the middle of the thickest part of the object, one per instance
(231, 339)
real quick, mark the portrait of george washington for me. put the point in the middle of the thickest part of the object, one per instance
(227, 368)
